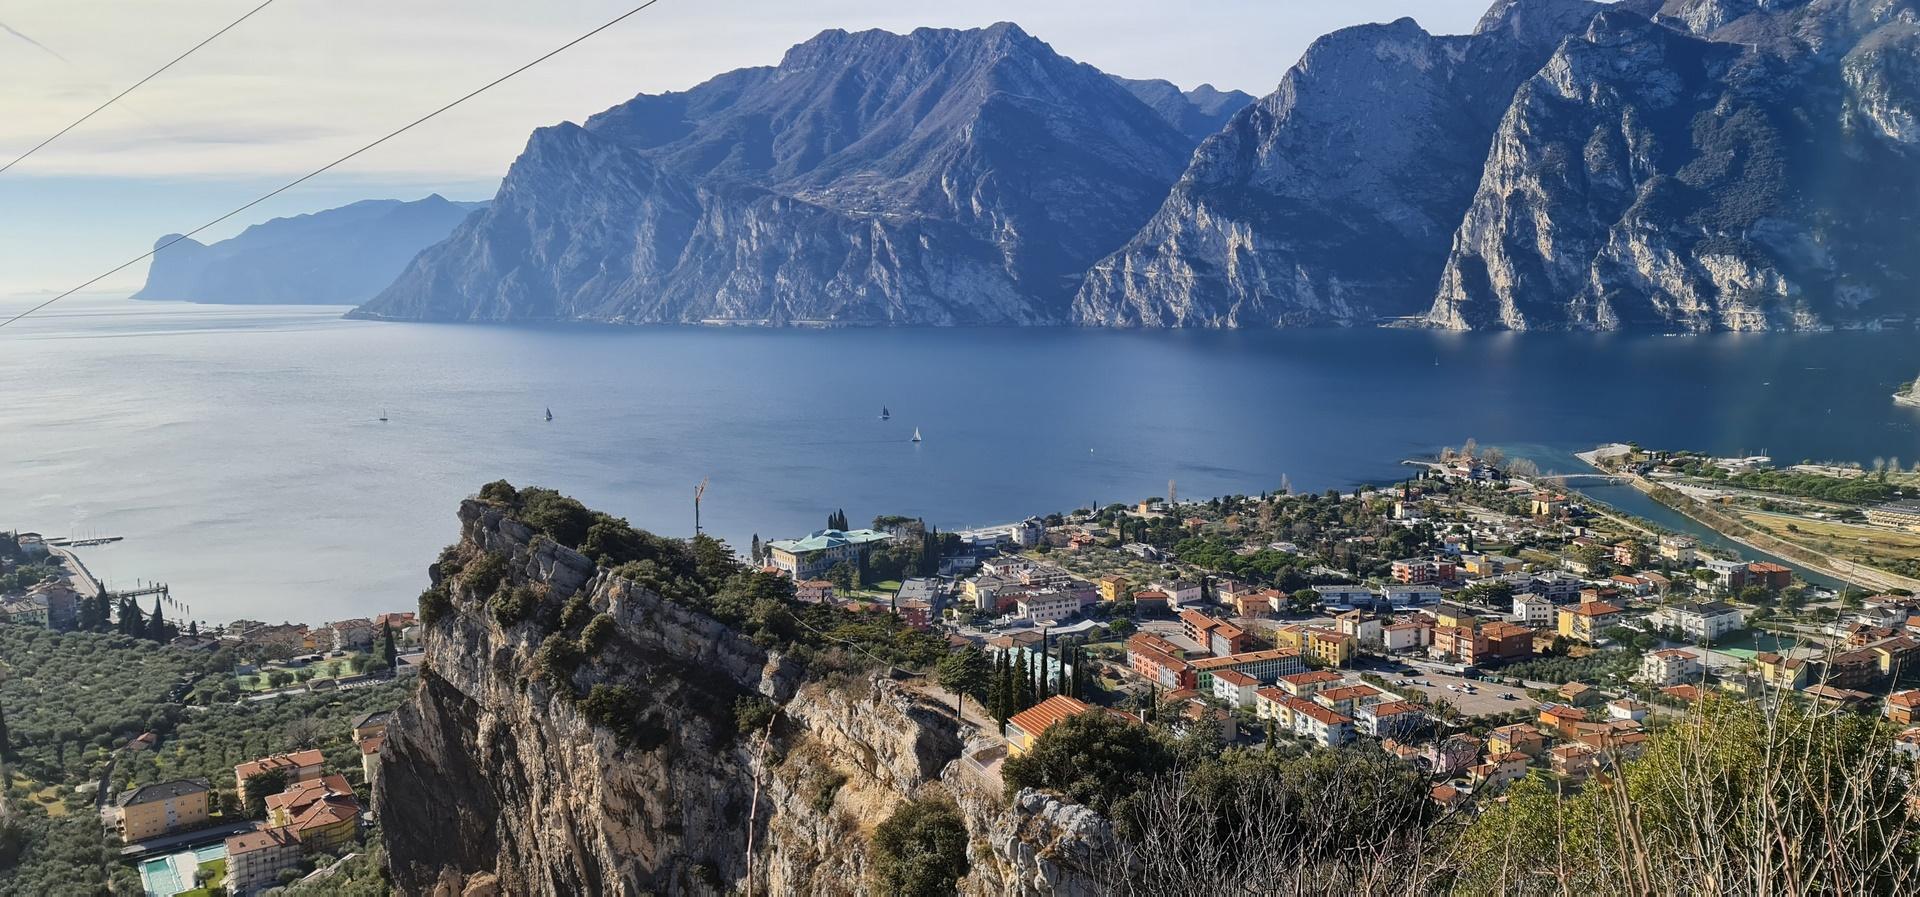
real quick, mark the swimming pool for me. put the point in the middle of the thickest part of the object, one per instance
(210, 853)
(160, 878)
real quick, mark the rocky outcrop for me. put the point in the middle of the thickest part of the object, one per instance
(342, 256)
(1729, 165)
(491, 782)
(940, 177)
(1332, 200)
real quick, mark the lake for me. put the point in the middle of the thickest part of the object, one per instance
(239, 451)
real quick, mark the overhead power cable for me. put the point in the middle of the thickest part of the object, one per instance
(343, 159)
(136, 86)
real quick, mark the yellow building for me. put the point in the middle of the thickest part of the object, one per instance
(150, 811)
(1331, 648)
(1114, 587)
(1448, 614)
(321, 814)
(1024, 728)
(1587, 620)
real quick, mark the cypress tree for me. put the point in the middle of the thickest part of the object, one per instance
(1022, 685)
(388, 649)
(132, 621)
(6, 745)
(157, 624)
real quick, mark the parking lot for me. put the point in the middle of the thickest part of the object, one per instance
(1485, 700)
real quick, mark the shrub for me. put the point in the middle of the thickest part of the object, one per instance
(1092, 758)
(484, 576)
(752, 713)
(595, 635)
(619, 709)
(557, 658)
(513, 605)
(920, 850)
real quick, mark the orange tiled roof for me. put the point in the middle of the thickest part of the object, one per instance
(1232, 660)
(1235, 678)
(1044, 715)
(294, 760)
(1311, 678)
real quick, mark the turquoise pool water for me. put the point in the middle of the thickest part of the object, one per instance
(160, 878)
(210, 853)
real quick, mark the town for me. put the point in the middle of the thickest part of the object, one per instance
(1479, 622)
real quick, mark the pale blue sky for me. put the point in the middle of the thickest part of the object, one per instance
(306, 80)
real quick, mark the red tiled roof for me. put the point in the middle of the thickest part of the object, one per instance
(1349, 691)
(1393, 708)
(1595, 609)
(260, 839)
(1233, 660)
(294, 760)
(1235, 678)
(1042, 716)
(1311, 678)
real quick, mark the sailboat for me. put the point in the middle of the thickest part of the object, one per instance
(916, 434)
(549, 415)
(383, 415)
(884, 413)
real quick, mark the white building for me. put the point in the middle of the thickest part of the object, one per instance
(1234, 687)
(1345, 596)
(1407, 636)
(1532, 610)
(1701, 622)
(1047, 605)
(1669, 667)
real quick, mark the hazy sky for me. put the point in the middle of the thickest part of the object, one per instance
(306, 80)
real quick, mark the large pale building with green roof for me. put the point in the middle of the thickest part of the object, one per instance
(809, 557)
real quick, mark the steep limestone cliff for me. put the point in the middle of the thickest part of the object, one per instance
(493, 783)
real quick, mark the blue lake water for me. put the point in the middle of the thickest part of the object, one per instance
(238, 448)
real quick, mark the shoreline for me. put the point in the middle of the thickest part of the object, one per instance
(1845, 571)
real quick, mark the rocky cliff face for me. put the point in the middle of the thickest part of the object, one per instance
(1331, 201)
(342, 256)
(1729, 165)
(1197, 113)
(939, 177)
(490, 783)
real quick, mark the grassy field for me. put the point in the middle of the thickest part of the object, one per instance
(1843, 539)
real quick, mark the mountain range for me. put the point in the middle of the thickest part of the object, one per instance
(1661, 165)
(341, 256)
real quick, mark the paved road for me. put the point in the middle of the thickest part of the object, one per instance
(184, 840)
(80, 577)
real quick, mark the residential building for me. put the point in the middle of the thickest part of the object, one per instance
(1305, 685)
(1586, 621)
(1561, 719)
(1389, 719)
(1407, 635)
(1532, 610)
(1152, 602)
(1419, 571)
(1783, 672)
(1770, 576)
(1484, 565)
(1114, 587)
(322, 814)
(1901, 515)
(1330, 648)
(1728, 575)
(814, 591)
(1448, 613)
(1025, 727)
(1546, 504)
(814, 555)
(150, 811)
(1217, 637)
(1517, 737)
(1363, 626)
(1234, 687)
(1499, 771)
(299, 766)
(1678, 549)
(351, 635)
(1345, 698)
(1579, 694)
(1160, 661)
(1180, 592)
(1482, 643)
(1254, 604)
(1304, 718)
(1903, 707)
(1706, 621)
(1264, 665)
(1046, 605)
(1626, 709)
(255, 859)
(1574, 762)
(1671, 666)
